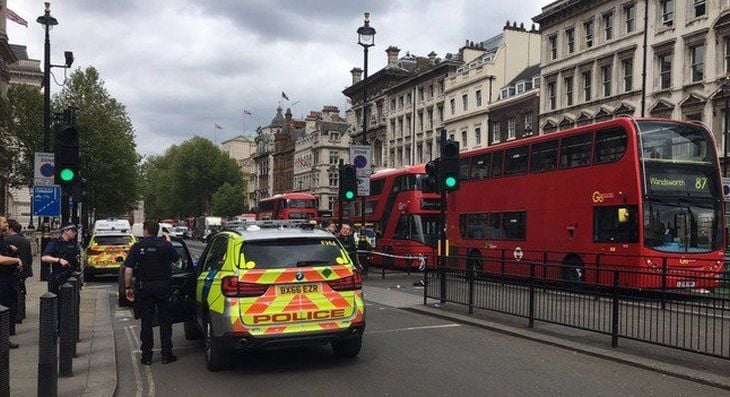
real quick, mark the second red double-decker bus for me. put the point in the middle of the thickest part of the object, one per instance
(402, 215)
(287, 206)
(637, 194)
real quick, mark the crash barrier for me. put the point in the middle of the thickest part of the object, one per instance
(666, 306)
(66, 330)
(47, 349)
(4, 351)
(420, 258)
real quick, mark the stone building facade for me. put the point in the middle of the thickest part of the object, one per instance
(283, 155)
(514, 114)
(242, 149)
(263, 158)
(592, 61)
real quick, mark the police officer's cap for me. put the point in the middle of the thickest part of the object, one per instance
(68, 226)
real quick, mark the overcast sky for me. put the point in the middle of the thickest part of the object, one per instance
(180, 66)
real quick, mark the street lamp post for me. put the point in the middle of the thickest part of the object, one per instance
(366, 38)
(726, 132)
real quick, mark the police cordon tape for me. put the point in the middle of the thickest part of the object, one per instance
(420, 257)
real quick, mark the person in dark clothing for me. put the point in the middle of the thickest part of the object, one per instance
(10, 264)
(26, 256)
(64, 256)
(348, 242)
(150, 261)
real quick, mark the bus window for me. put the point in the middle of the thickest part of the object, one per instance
(464, 169)
(463, 226)
(610, 146)
(477, 225)
(544, 156)
(376, 187)
(515, 161)
(575, 151)
(615, 224)
(404, 229)
(480, 166)
(514, 225)
(497, 164)
(494, 226)
(674, 141)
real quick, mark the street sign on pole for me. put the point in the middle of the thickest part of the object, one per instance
(360, 158)
(43, 169)
(47, 200)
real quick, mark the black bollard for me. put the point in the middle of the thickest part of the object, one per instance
(67, 333)
(47, 348)
(4, 351)
(77, 303)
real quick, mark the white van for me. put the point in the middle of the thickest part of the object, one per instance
(112, 225)
(165, 228)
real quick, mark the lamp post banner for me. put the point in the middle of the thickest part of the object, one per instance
(360, 158)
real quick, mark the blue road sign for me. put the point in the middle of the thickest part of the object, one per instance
(47, 200)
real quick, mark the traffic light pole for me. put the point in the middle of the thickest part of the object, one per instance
(46, 225)
(341, 205)
(442, 224)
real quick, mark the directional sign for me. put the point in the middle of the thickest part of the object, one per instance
(360, 158)
(43, 169)
(47, 200)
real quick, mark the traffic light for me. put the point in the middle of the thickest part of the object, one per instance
(348, 182)
(450, 164)
(431, 183)
(66, 155)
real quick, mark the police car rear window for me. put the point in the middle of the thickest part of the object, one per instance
(291, 252)
(113, 240)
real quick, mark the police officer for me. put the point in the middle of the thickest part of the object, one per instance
(150, 260)
(26, 256)
(348, 242)
(10, 264)
(64, 256)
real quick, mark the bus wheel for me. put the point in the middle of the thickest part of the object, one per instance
(573, 269)
(474, 262)
(388, 260)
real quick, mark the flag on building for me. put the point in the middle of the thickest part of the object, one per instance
(247, 112)
(217, 127)
(283, 95)
(16, 18)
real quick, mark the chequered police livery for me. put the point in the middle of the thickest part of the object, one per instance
(106, 258)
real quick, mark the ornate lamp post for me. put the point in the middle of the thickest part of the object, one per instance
(366, 38)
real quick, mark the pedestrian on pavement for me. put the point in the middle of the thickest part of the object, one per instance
(26, 256)
(10, 263)
(332, 227)
(64, 256)
(150, 261)
(348, 242)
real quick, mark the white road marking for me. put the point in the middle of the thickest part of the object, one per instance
(135, 365)
(385, 331)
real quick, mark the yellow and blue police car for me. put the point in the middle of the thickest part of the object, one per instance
(275, 284)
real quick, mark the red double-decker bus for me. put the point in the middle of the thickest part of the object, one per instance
(287, 206)
(636, 194)
(403, 217)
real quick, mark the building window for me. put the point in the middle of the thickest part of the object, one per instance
(478, 94)
(430, 91)
(568, 83)
(697, 55)
(699, 8)
(429, 119)
(665, 71)
(606, 78)
(553, 43)
(465, 102)
(477, 135)
(400, 102)
(608, 25)
(420, 121)
(511, 128)
(419, 154)
(452, 104)
(440, 111)
(441, 87)
(334, 157)
(495, 132)
(528, 123)
(331, 203)
(463, 139)
(392, 104)
(588, 29)
(570, 40)
(630, 17)
(420, 93)
(551, 95)
(587, 85)
(666, 8)
(333, 177)
(628, 69)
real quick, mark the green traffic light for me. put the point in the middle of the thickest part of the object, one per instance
(450, 181)
(67, 175)
(349, 195)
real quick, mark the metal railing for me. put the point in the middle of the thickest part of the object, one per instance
(621, 302)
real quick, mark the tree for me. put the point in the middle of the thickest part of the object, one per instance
(106, 137)
(25, 122)
(229, 200)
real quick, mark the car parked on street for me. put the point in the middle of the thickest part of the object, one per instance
(106, 252)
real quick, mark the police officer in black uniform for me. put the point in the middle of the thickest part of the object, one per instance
(150, 260)
(10, 264)
(64, 256)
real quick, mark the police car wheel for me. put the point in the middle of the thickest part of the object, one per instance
(347, 348)
(215, 358)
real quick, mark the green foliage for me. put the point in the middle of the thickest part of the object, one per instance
(229, 200)
(107, 143)
(25, 112)
(183, 180)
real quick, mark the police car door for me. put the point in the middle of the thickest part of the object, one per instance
(182, 307)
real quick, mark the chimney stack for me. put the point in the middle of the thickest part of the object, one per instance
(432, 57)
(356, 75)
(392, 52)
